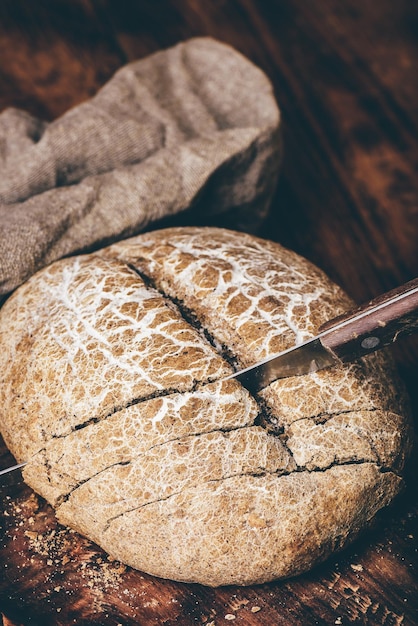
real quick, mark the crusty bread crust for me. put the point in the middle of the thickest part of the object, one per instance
(112, 390)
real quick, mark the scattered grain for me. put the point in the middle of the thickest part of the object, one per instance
(357, 567)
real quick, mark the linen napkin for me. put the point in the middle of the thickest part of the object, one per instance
(190, 133)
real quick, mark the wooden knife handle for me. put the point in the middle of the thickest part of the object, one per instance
(373, 325)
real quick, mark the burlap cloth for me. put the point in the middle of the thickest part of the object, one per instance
(191, 129)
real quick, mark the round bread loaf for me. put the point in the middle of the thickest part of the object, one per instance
(112, 389)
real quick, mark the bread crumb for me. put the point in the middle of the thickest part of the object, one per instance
(56, 548)
(31, 534)
(356, 567)
(255, 609)
(230, 616)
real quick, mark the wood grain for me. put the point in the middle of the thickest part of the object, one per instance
(345, 77)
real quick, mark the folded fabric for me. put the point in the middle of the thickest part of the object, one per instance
(193, 129)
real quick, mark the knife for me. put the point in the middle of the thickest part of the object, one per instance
(345, 338)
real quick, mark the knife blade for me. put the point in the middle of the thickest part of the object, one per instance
(304, 358)
(345, 338)
(12, 468)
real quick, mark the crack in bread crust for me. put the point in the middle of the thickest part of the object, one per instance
(251, 525)
(190, 317)
(127, 350)
(124, 463)
(259, 474)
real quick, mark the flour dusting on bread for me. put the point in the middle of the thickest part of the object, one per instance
(112, 389)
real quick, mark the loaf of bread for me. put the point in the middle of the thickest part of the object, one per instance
(113, 390)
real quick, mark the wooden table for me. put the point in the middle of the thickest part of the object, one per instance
(344, 75)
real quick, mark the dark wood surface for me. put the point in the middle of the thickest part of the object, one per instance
(344, 74)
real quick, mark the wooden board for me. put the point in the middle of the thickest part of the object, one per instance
(345, 77)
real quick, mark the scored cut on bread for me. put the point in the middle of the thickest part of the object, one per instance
(113, 391)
